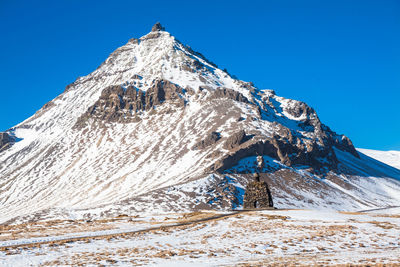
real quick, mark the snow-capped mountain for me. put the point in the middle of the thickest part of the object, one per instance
(158, 127)
(391, 157)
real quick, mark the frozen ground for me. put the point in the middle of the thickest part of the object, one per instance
(249, 238)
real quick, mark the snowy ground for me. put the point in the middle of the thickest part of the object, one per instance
(391, 158)
(249, 238)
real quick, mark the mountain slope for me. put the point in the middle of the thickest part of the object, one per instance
(391, 158)
(158, 127)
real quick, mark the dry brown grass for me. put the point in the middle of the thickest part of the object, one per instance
(60, 227)
(384, 225)
(386, 215)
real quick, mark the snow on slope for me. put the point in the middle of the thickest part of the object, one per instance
(149, 164)
(391, 158)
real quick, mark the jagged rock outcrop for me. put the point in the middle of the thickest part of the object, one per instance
(299, 110)
(157, 27)
(288, 149)
(6, 141)
(230, 94)
(122, 104)
(252, 148)
(344, 143)
(211, 139)
(236, 139)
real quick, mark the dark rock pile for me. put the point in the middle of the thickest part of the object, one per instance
(257, 195)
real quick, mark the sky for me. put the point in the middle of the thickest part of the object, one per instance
(340, 57)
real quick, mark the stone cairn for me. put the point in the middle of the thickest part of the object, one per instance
(257, 194)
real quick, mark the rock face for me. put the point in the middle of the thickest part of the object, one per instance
(235, 140)
(122, 104)
(211, 139)
(5, 141)
(311, 145)
(257, 195)
(230, 94)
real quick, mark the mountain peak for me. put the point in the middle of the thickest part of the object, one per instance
(157, 126)
(157, 27)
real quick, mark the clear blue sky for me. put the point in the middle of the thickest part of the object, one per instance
(341, 57)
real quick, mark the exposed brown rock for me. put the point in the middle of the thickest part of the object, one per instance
(118, 104)
(136, 77)
(299, 110)
(247, 85)
(211, 139)
(133, 41)
(325, 138)
(5, 141)
(251, 148)
(344, 143)
(186, 67)
(281, 148)
(235, 140)
(230, 94)
(69, 86)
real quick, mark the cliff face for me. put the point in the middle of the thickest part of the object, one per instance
(158, 127)
(125, 103)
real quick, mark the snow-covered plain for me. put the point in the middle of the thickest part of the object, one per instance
(275, 237)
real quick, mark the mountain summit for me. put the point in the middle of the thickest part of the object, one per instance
(158, 127)
(157, 27)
